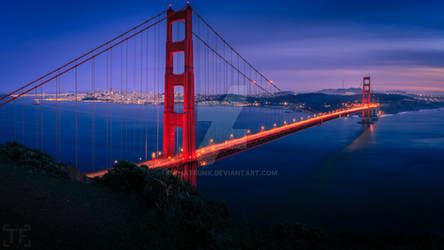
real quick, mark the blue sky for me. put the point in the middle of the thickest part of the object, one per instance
(301, 45)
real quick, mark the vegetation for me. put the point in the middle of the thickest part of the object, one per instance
(37, 162)
(137, 208)
(185, 212)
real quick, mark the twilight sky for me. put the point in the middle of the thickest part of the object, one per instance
(301, 45)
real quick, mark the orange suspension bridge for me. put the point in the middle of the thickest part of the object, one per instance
(170, 92)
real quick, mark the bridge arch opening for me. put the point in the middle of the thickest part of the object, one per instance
(178, 99)
(178, 63)
(178, 29)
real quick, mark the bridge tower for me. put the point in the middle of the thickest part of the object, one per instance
(366, 98)
(366, 90)
(171, 119)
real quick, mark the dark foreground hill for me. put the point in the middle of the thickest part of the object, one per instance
(52, 206)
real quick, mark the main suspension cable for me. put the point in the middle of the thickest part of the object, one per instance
(82, 62)
(227, 62)
(235, 51)
(82, 56)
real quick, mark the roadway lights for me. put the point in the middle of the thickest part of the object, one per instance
(285, 122)
(115, 162)
(248, 131)
(294, 120)
(153, 155)
(262, 128)
(211, 140)
(231, 136)
(274, 125)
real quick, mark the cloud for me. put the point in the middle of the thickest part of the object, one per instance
(383, 78)
(416, 57)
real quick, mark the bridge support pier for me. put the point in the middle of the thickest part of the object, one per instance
(188, 172)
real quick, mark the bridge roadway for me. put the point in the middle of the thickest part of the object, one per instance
(213, 152)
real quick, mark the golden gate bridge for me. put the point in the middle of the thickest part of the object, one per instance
(139, 96)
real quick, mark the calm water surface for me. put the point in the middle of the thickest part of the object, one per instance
(340, 176)
(343, 177)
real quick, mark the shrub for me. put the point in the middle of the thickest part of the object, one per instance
(38, 162)
(182, 208)
(125, 176)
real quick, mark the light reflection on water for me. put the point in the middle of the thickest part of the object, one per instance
(338, 176)
(342, 176)
(121, 131)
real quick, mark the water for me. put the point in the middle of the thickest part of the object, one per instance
(339, 176)
(343, 177)
(107, 132)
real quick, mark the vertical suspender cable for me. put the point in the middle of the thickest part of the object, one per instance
(23, 120)
(121, 101)
(15, 121)
(76, 121)
(111, 107)
(93, 114)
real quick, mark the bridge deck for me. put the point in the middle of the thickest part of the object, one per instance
(213, 152)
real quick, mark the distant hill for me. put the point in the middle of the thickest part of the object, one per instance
(281, 93)
(349, 91)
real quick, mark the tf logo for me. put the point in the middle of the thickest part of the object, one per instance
(16, 236)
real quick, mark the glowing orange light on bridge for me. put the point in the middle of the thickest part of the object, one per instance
(208, 152)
